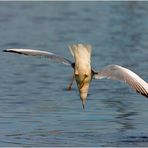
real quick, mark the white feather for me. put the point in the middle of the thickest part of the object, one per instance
(116, 72)
(40, 53)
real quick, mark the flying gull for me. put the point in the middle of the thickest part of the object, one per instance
(84, 73)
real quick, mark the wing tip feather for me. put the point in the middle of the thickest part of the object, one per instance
(143, 94)
(13, 51)
(5, 50)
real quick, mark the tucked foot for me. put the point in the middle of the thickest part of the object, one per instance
(70, 85)
(69, 88)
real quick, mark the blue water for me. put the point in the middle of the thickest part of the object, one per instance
(35, 107)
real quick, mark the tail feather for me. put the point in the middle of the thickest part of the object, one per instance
(80, 50)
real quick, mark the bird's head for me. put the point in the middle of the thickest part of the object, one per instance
(83, 97)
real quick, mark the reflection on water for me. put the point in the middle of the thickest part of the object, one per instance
(36, 109)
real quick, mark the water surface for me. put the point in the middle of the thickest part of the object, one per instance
(36, 109)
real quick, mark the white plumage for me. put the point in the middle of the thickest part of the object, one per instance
(40, 53)
(83, 72)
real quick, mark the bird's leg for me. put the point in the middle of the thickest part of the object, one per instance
(82, 83)
(69, 86)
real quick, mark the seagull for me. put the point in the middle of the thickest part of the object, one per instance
(84, 73)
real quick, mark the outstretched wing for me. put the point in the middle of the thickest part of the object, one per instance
(39, 53)
(116, 72)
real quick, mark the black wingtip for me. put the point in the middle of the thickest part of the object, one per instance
(12, 51)
(143, 94)
(5, 50)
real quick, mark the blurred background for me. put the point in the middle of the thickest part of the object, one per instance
(35, 107)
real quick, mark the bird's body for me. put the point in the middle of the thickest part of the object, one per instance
(82, 69)
(83, 72)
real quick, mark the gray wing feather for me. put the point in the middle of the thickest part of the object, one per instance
(40, 53)
(116, 72)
